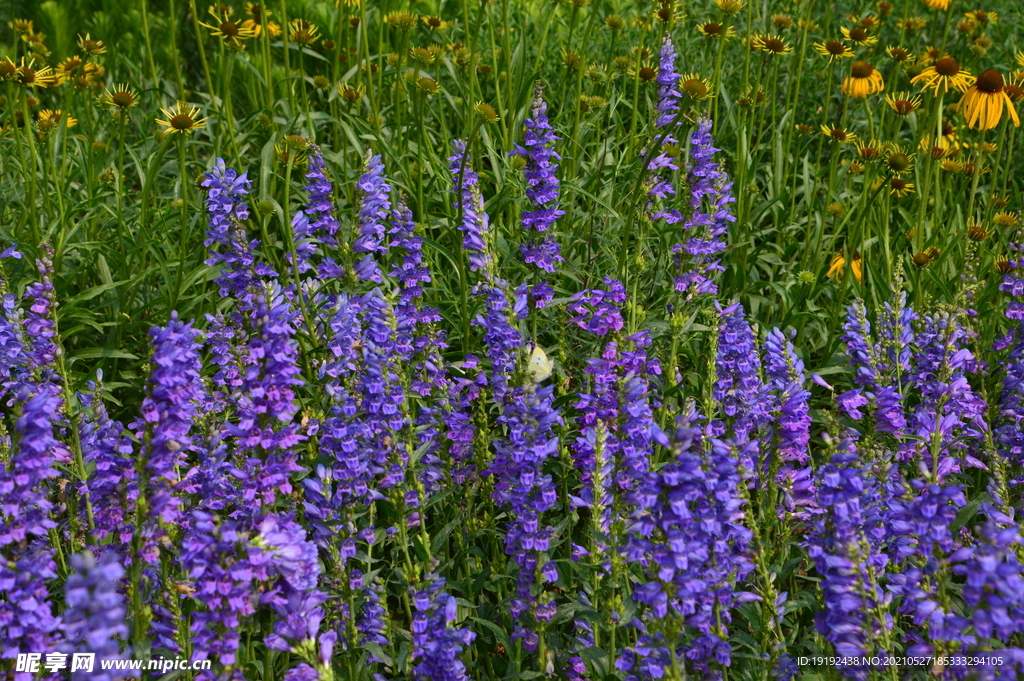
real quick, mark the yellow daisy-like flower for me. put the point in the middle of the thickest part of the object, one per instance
(8, 69)
(911, 24)
(903, 103)
(900, 187)
(1006, 219)
(121, 98)
(257, 29)
(50, 119)
(32, 77)
(944, 75)
(838, 134)
(90, 46)
(730, 6)
(863, 80)
(257, 11)
(69, 68)
(941, 5)
(403, 21)
(983, 103)
(858, 36)
(1020, 58)
(694, 87)
(435, 23)
(898, 54)
(22, 26)
(301, 32)
(897, 161)
(948, 141)
(228, 30)
(713, 29)
(182, 118)
(932, 54)
(772, 44)
(837, 268)
(833, 49)
(981, 17)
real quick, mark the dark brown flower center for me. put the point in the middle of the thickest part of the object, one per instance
(948, 129)
(838, 134)
(122, 99)
(229, 28)
(947, 67)
(858, 35)
(1014, 92)
(835, 48)
(869, 153)
(861, 69)
(26, 76)
(711, 28)
(899, 54)
(898, 184)
(647, 74)
(990, 82)
(774, 45)
(903, 107)
(182, 122)
(7, 69)
(434, 22)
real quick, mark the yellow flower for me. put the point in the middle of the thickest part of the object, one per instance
(912, 24)
(838, 134)
(8, 69)
(772, 44)
(48, 120)
(435, 23)
(301, 32)
(90, 46)
(858, 36)
(231, 32)
(897, 161)
(898, 54)
(713, 29)
(1020, 58)
(837, 268)
(863, 80)
(984, 102)
(943, 75)
(900, 187)
(942, 5)
(833, 49)
(696, 88)
(182, 118)
(120, 99)
(22, 26)
(31, 77)
(403, 21)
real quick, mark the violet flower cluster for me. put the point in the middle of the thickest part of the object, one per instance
(436, 643)
(94, 621)
(542, 192)
(470, 205)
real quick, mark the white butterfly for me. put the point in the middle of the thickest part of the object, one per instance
(540, 366)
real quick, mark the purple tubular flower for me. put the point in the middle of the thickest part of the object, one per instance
(436, 644)
(168, 413)
(598, 311)
(845, 545)
(27, 622)
(923, 520)
(542, 186)
(710, 199)
(688, 532)
(738, 388)
(668, 78)
(373, 211)
(470, 204)
(40, 327)
(112, 488)
(95, 614)
(502, 338)
(949, 409)
(225, 202)
(315, 224)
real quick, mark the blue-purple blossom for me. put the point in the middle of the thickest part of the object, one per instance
(845, 544)
(470, 205)
(374, 207)
(94, 621)
(542, 187)
(436, 643)
(689, 534)
(710, 198)
(166, 425)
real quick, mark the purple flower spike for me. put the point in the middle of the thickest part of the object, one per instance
(474, 225)
(373, 212)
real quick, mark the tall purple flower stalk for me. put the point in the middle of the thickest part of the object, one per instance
(738, 388)
(1010, 433)
(436, 643)
(666, 124)
(542, 192)
(475, 223)
(94, 620)
(790, 423)
(27, 621)
(112, 488)
(374, 207)
(169, 411)
(689, 534)
(710, 201)
(225, 202)
(315, 224)
(845, 544)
